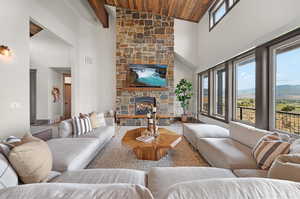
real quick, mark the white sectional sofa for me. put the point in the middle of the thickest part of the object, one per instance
(158, 183)
(73, 153)
(230, 149)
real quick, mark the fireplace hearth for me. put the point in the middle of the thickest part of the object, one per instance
(143, 105)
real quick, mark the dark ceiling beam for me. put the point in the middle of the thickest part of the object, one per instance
(100, 11)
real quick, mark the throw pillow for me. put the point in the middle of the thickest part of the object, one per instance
(268, 149)
(82, 125)
(31, 159)
(101, 119)
(286, 167)
(97, 120)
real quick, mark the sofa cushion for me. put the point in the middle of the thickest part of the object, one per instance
(31, 159)
(254, 173)
(246, 134)
(103, 176)
(72, 153)
(8, 176)
(226, 153)
(103, 133)
(76, 191)
(241, 188)
(195, 131)
(286, 167)
(159, 179)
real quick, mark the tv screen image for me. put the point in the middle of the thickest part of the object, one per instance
(148, 75)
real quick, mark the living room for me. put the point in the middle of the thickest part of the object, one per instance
(212, 84)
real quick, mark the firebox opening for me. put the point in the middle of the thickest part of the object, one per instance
(143, 105)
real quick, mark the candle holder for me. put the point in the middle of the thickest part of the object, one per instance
(152, 122)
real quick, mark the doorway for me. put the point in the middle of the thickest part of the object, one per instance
(67, 95)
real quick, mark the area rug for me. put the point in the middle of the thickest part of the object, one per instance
(118, 155)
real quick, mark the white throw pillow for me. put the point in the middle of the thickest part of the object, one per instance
(101, 119)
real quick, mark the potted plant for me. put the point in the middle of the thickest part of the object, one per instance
(184, 93)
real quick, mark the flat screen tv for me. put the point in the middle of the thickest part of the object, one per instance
(147, 75)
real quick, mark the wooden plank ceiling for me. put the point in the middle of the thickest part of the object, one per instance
(190, 10)
(34, 29)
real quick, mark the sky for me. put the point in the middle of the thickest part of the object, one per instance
(246, 76)
(288, 68)
(288, 71)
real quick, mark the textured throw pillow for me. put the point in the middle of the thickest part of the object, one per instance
(97, 119)
(31, 159)
(268, 149)
(82, 125)
(286, 167)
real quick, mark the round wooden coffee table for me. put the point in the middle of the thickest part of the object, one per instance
(154, 150)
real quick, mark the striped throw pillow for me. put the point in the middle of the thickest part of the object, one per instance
(82, 125)
(268, 149)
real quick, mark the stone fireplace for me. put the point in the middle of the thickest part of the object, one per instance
(143, 38)
(143, 105)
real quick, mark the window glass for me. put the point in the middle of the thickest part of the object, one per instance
(220, 12)
(245, 90)
(287, 89)
(205, 92)
(219, 92)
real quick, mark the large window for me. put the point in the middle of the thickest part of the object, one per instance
(244, 89)
(260, 87)
(219, 92)
(285, 84)
(204, 93)
(219, 10)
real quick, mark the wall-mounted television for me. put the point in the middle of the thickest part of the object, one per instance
(147, 75)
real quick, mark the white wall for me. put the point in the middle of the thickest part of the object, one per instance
(14, 71)
(186, 38)
(249, 24)
(97, 81)
(59, 18)
(48, 51)
(55, 109)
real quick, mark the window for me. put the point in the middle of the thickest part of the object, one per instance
(219, 92)
(285, 86)
(204, 93)
(244, 90)
(219, 10)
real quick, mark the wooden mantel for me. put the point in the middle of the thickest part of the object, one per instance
(143, 116)
(142, 89)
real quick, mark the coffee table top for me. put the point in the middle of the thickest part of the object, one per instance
(166, 139)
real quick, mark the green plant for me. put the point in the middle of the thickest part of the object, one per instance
(288, 108)
(184, 92)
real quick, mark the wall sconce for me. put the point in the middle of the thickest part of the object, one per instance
(4, 50)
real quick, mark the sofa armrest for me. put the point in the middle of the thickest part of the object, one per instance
(65, 129)
(110, 121)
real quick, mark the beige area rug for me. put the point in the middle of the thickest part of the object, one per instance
(118, 155)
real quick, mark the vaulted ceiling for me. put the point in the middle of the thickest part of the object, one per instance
(189, 10)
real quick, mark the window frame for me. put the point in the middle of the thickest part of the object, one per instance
(272, 78)
(200, 90)
(220, 67)
(215, 7)
(242, 58)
